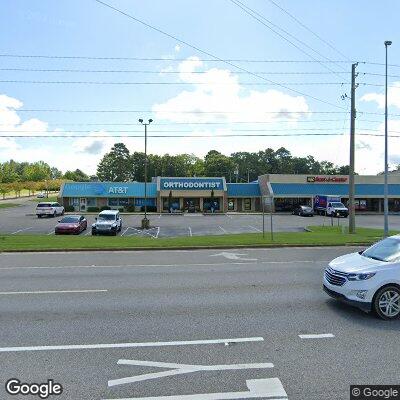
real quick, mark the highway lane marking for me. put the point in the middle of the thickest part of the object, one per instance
(317, 336)
(233, 256)
(56, 291)
(178, 369)
(244, 262)
(270, 388)
(21, 230)
(129, 345)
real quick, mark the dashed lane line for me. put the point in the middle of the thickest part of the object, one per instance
(317, 336)
(55, 291)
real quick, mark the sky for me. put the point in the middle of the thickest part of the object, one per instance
(80, 68)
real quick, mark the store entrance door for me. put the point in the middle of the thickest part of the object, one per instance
(82, 204)
(191, 204)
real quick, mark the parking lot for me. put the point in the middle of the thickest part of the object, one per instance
(22, 220)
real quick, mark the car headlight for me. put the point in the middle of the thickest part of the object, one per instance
(360, 277)
(93, 225)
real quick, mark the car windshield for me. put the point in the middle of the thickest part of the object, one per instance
(107, 217)
(69, 220)
(338, 205)
(307, 208)
(44, 205)
(385, 250)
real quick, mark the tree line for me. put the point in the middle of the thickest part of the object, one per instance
(121, 165)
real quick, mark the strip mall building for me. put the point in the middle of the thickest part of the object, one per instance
(201, 194)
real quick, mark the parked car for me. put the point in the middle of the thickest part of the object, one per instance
(50, 209)
(71, 224)
(40, 196)
(303, 211)
(107, 222)
(369, 279)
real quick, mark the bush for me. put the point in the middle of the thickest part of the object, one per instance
(93, 209)
(69, 208)
(149, 209)
(105, 208)
(130, 208)
(121, 209)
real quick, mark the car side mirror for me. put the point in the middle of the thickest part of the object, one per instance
(360, 252)
(59, 220)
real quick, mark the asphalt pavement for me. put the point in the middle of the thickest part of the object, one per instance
(22, 220)
(192, 325)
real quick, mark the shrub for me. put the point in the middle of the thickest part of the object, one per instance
(93, 209)
(130, 208)
(150, 208)
(69, 208)
(121, 209)
(105, 208)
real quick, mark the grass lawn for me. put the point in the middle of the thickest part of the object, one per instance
(8, 205)
(319, 236)
(44, 199)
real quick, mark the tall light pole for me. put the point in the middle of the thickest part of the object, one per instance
(386, 187)
(145, 221)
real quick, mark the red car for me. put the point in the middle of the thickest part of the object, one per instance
(71, 224)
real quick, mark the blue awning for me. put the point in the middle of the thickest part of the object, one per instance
(313, 189)
(108, 189)
(243, 189)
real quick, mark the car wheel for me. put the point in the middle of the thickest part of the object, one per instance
(54, 214)
(387, 302)
(39, 216)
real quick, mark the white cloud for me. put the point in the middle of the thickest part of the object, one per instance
(177, 48)
(220, 90)
(379, 98)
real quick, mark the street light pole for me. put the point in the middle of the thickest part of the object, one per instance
(386, 187)
(145, 221)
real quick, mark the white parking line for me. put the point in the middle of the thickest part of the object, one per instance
(222, 229)
(256, 229)
(158, 232)
(56, 291)
(190, 231)
(317, 336)
(128, 345)
(21, 230)
(50, 233)
(123, 233)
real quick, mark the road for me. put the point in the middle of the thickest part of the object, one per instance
(233, 316)
(22, 220)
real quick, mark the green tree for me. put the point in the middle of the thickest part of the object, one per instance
(217, 164)
(77, 176)
(116, 166)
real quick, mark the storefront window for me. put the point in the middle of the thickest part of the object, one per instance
(74, 201)
(247, 204)
(231, 204)
(91, 202)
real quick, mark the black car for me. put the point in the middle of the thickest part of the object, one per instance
(303, 211)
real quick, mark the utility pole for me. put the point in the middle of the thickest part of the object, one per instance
(386, 186)
(352, 217)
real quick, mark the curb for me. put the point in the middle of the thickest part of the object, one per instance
(256, 246)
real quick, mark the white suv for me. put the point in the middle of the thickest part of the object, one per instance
(49, 208)
(369, 279)
(107, 222)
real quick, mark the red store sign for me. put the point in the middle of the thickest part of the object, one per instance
(327, 179)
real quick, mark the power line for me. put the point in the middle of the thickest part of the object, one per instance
(210, 54)
(160, 72)
(246, 60)
(285, 112)
(168, 83)
(309, 30)
(49, 136)
(256, 15)
(200, 123)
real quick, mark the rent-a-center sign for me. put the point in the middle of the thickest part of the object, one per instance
(191, 184)
(327, 179)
